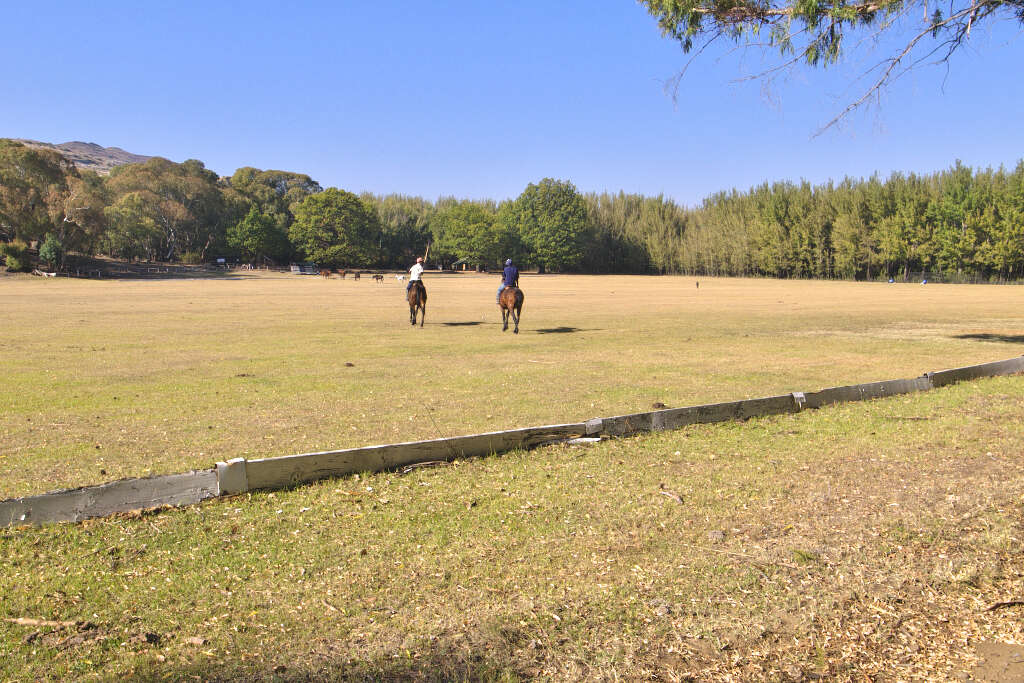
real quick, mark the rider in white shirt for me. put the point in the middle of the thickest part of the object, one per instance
(414, 273)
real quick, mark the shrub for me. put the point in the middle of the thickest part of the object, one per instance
(16, 253)
(192, 258)
(52, 251)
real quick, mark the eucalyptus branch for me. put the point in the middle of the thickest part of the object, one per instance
(816, 33)
(893, 62)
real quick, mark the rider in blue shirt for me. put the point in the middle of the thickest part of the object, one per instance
(510, 278)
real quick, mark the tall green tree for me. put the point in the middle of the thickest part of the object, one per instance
(33, 186)
(273, 193)
(258, 237)
(131, 232)
(83, 221)
(184, 202)
(405, 227)
(335, 229)
(471, 230)
(551, 219)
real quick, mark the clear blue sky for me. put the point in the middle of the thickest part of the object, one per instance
(477, 99)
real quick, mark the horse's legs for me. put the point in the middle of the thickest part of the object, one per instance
(423, 313)
(515, 317)
(412, 314)
(504, 319)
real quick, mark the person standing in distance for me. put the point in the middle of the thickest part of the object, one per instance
(509, 278)
(414, 273)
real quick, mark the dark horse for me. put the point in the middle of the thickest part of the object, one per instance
(511, 303)
(417, 302)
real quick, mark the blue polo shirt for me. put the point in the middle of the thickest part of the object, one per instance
(511, 276)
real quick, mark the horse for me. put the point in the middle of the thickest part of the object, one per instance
(341, 274)
(510, 303)
(355, 275)
(378, 278)
(417, 302)
(325, 273)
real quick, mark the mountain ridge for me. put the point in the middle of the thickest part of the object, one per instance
(89, 155)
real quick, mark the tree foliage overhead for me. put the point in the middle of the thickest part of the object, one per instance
(817, 32)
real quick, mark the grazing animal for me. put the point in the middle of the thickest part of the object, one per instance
(355, 275)
(400, 278)
(417, 302)
(511, 304)
(325, 273)
(378, 277)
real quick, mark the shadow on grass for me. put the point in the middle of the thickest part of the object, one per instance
(1005, 338)
(559, 330)
(467, 324)
(449, 658)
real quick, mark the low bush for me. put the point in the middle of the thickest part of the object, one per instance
(17, 256)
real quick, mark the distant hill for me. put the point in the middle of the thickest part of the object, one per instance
(89, 155)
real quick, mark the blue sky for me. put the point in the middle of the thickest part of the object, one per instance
(477, 99)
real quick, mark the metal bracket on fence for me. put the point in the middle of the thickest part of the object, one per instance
(799, 400)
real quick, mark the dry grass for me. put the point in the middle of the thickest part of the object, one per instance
(862, 542)
(108, 379)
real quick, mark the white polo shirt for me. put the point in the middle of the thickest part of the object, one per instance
(415, 272)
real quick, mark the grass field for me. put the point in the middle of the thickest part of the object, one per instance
(868, 541)
(109, 379)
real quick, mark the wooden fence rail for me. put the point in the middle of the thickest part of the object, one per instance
(240, 475)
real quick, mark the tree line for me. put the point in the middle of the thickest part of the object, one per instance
(961, 222)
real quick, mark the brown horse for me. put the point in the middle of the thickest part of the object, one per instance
(417, 302)
(511, 303)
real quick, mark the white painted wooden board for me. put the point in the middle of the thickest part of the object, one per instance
(290, 470)
(673, 418)
(74, 505)
(997, 368)
(864, 392)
